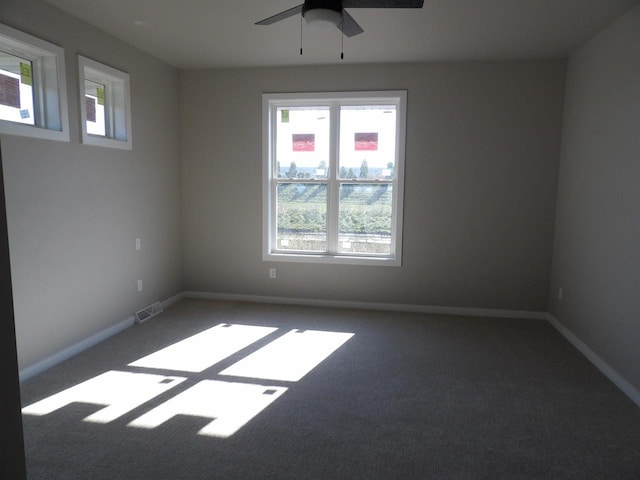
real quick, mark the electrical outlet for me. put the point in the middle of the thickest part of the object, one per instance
(139, 285)
(138, 244)
(272, 273)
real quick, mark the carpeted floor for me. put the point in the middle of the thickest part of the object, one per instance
(409, 396)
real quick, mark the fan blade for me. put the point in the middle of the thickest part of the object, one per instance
(281, 16)
(382, 3)
(348, 25)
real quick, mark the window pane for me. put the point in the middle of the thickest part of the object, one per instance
(365, 219)
(16, 89)
(302, 217)
(302, 142)
(95, 101)
(367, 141)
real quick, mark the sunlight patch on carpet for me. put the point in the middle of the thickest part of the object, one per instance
(229, 405)
(290, 357)
(121, 392)
(201, 351)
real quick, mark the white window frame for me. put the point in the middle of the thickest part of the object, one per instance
(270, 104)
(49, 86)
(117, 104)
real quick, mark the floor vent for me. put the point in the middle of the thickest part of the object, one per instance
(148, 312)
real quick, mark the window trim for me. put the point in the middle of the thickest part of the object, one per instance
(270, 103)
(117, 104)
(49, 86)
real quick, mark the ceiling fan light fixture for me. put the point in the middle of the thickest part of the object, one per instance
(322, 18)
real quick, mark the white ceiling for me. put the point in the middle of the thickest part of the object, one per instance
(221, 33)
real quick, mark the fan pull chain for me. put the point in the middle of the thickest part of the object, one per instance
(300, 34)
(342, 37)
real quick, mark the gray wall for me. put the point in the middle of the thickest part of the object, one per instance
(74, 211)
(597, 242)
(483, 144)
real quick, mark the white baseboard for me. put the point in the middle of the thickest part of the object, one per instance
(171, 300)
(608, 371)
(599, 363)
(82, 345)
(74, 349)
(392, 307)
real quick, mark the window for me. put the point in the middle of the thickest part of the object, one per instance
(333, 177)
(33, 92)
(104, 105)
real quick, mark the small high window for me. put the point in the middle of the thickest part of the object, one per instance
(33, 95)
(104, 105)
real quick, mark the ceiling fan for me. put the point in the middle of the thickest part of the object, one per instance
(332, 13)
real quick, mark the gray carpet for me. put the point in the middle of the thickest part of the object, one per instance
(409, 396)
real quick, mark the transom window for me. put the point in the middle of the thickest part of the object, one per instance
(105, 105)
(33, 95)
(333, 177)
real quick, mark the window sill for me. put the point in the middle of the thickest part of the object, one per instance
(332, 259)
(106, 142)
(22, 130)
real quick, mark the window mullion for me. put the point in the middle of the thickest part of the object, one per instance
(273, 179)
(333, 187)
(38, 87)
(109, 109)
